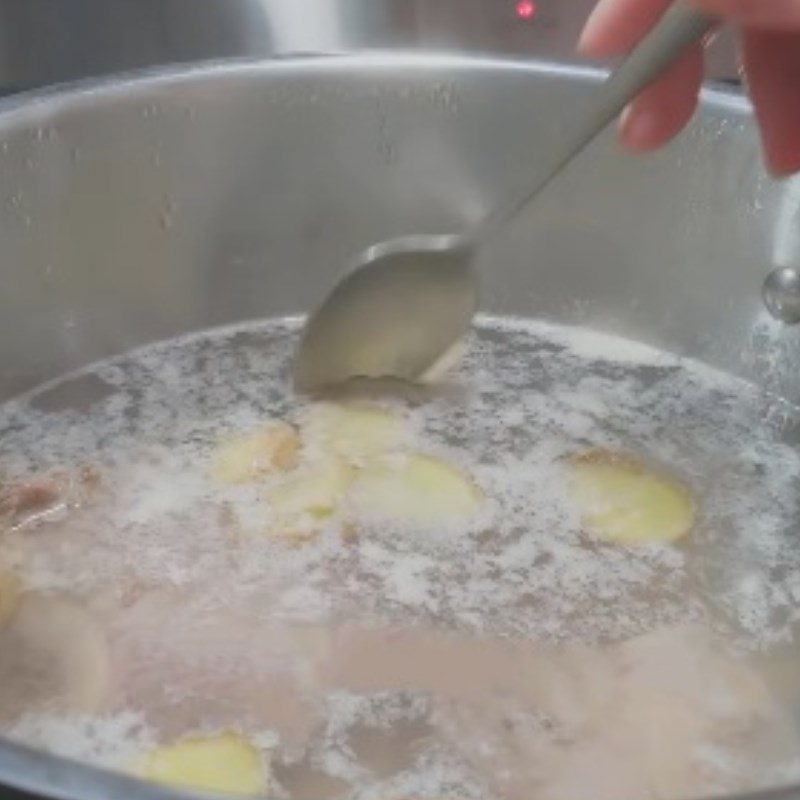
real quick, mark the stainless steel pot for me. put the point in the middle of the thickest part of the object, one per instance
(136, 210)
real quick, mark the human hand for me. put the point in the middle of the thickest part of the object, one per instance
(770, 55)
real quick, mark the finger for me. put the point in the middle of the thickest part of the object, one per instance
(614, 26)
(665, 106)
(768, 14)
(772, 66)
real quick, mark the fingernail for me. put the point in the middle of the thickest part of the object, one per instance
(639, 127)
(586, 45)
(624, 119)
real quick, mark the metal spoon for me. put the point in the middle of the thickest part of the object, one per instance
(407, 301)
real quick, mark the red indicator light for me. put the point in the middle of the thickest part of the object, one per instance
(526, 9)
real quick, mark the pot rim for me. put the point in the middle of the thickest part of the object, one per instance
(53, 98)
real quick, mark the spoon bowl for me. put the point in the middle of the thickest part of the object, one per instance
(404, 304)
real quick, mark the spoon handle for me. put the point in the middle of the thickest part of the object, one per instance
(679, 27)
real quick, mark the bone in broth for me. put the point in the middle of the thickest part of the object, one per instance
(574, 573)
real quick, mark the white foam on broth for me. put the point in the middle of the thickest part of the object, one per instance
(196, 603)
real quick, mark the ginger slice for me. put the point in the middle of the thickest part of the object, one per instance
(417, 488)
(273, 448)
(354, 431)
(225, 762)
(623, 501)
(299, 506)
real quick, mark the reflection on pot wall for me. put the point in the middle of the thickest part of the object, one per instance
(48, 41)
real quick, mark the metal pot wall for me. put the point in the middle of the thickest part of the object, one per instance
(137, 210)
